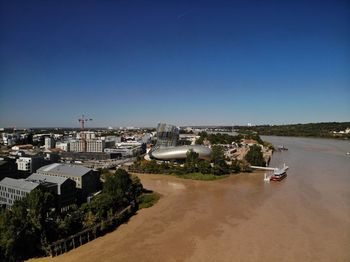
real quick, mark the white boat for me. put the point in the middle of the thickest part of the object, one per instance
(279, 173)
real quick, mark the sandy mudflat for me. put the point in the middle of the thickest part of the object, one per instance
(234, 219)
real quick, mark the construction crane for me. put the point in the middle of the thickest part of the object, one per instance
(82, 122)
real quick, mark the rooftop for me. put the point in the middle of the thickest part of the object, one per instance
(71, 170)
(19, 183)
(43, 178)
(39, 178)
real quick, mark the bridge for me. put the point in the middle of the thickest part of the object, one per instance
(276, 170)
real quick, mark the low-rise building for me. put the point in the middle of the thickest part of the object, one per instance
(86, 179)
(10, 139)
(29, 163)
(22, 147)
(124, 151)
(8, 168)
(15, 189)
(65, 146)
(189, 137)
(66, 189)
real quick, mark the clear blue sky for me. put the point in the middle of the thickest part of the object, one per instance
(135, 63)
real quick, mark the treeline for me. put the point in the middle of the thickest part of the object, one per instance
(304, 130)
(31, 225)
(193, 164)
(222, 138)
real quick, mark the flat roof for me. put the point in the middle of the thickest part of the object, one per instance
(40, 178)
(65, 169)
(19, 184)
(44, 178)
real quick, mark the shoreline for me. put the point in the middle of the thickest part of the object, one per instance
(188, 175)
(305, 217)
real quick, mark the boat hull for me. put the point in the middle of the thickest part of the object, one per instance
(278, 178)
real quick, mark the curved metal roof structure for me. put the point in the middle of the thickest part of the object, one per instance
(179, 152)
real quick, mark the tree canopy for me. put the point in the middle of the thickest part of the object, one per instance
(255, 156)
(32, 223)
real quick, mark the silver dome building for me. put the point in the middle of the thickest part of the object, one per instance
(166, 149)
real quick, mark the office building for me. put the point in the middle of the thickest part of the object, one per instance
(29, 163)
(95, 145)
(66, 189)
(86, 179)
(49, 142)
(77, 145)
(87, 135)
(65, 146)
(15, 189)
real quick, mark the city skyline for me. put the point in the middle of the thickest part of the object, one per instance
(186, 63)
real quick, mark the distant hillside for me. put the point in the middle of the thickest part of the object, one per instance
(305, 130)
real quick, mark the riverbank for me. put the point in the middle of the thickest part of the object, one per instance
(193, 176)
(337, 130)
(306, 217)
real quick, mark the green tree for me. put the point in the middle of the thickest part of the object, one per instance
(89, 220)
(24, 228)
(218, 158)
(217, 155)
(255, 156)
(191, 161)
(204, 167)
(118, 184)
(39, 202)
(235, 166)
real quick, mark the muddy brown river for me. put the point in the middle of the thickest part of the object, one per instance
(306, 217)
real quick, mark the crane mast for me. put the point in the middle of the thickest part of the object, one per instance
(82, 122)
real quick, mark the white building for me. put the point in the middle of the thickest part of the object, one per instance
(87, 135)
(10, 139)
(29, 164)
(95, 145)
(77, 146)
(189, 137)
(49, 142)
(65, 146)
(24, 163)
(128, 144)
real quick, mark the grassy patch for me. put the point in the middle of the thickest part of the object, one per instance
(200, 176)
(148, 199)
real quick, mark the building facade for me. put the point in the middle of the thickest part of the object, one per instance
(77, 146)
(87, 135)
(86, 179)
(65, 146)
(167, 135)
(15, 189)
(49, 142)
(29, 163)
(95, 145)
(66, 189)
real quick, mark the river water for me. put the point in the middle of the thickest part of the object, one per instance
(305, 217)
